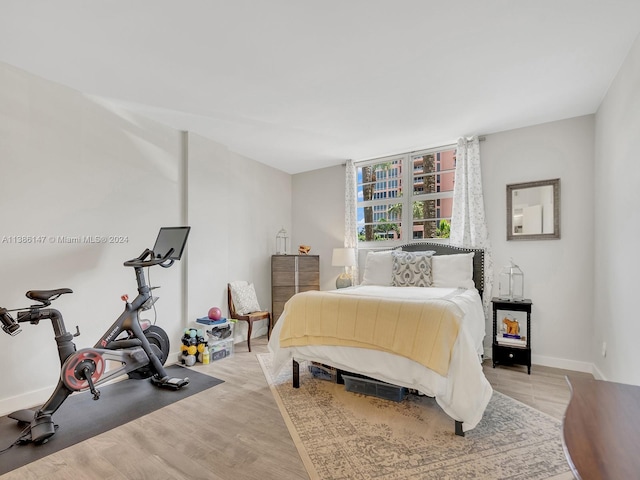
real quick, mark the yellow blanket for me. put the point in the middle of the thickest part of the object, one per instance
(424, 331)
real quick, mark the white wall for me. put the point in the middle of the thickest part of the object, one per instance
(236, 207)
(617, 220)
(583, 285)
(558, 274)
(318, 217)
(72, 166)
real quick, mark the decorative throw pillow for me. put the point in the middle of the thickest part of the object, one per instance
(411, 269)
(378, 269)
(244, 298)
(453, 271)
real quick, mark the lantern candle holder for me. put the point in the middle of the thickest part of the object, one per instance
(511, 283)
(282, 242)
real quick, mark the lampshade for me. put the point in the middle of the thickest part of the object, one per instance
(343, 257)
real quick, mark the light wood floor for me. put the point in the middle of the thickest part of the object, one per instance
(234, 431)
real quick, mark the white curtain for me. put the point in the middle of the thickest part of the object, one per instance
(468, 225)
(351, 216)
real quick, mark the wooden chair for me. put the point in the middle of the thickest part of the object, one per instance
(249, 318)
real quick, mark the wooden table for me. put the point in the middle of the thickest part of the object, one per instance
(601, 430)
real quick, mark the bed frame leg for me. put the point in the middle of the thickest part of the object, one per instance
(296, 375)
(459, 431)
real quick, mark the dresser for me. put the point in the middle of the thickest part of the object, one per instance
(291, 274)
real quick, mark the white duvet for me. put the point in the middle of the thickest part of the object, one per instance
(463, 394)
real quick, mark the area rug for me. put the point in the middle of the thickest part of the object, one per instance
(80, 417)
(343, 435)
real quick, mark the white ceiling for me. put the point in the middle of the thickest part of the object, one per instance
(301, 85)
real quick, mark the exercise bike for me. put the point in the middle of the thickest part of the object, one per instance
(140, 349)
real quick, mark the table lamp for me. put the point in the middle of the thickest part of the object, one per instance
(343, 257)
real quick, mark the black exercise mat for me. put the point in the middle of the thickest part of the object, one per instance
(80, 417)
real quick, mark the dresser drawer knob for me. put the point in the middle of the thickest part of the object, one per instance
(511, 355)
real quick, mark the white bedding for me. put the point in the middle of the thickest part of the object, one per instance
(463, 394)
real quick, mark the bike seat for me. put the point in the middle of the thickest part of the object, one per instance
(45, 296)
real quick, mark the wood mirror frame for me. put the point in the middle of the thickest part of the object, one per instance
(535, 212)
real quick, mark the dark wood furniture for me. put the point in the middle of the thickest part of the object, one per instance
(249, 318)
(601, 430)
(291, 274)
(508, 354)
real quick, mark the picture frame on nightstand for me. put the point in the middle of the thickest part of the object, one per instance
(503, 334)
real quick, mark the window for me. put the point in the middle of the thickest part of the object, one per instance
(389, 212)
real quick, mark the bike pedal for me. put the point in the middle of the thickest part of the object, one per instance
(180, 382)
(172, 383)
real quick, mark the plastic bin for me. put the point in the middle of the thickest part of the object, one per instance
(324, 372)
(221, 349)
(375, 388)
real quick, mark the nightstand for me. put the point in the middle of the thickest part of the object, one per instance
(514, 351)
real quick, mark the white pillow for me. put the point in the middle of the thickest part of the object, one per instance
(453, 271)
(378, 269)
(244, 298)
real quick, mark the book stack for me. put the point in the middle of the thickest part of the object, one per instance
(511, 340)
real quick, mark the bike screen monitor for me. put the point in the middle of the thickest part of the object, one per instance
(168, 238)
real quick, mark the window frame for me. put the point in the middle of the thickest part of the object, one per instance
(407, 198)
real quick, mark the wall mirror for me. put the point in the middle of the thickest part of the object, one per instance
(533, 210)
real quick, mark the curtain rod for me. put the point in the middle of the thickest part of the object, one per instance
(481, 138)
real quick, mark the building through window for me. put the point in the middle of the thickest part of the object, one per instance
(408, 196)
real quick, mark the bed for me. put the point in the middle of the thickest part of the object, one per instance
(434, 292)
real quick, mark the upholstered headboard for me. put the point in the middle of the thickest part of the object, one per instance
(440, 249)
(444, 249)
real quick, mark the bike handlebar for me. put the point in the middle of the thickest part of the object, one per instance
(146, 259)
(142, 261)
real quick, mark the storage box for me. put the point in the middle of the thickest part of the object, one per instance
(218, 332)
(324, 372)
(221, 349)
(369, 386)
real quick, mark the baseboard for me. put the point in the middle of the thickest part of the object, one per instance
(597, 374)
(563, 363)
(25, 400)
(240, 332)
(487, 352)
(555, 362)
